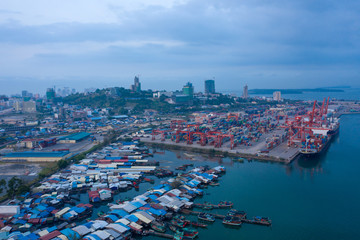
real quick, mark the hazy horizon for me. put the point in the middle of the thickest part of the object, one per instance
(83, 44)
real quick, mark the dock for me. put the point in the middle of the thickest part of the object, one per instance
(219, 216)
(163, 235)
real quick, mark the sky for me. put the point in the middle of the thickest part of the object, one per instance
(105, 43)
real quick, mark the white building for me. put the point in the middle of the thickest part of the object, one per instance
(277, 96)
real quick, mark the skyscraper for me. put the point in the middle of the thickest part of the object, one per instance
(277, 96)
(137, 85)
(209, 86)
(50, 94)
(245, 92)
(188, 90)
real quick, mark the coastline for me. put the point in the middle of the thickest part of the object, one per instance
(225, 153)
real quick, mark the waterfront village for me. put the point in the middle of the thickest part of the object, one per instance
(68, 159)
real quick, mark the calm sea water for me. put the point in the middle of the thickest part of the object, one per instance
(309, 199)
(348, 94)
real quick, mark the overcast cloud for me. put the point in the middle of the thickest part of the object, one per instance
(103, 43)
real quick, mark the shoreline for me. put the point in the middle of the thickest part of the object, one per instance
(213, 151)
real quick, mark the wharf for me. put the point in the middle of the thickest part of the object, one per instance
(280, 154)
(219, 216)
(189, 212)
(164, 235)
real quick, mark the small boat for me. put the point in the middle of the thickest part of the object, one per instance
(261, 220)
(198, 224)
(173, 228)
(158, 226)
(233, 221)
(100, 213)
(207, 207)
(214, 184)
(178, 223)
(236, 213)
(225, 204)
(206, 217)
(239, 159)
(150, 180)
(179, 235)
(190, 233)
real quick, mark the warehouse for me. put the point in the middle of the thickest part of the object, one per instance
(36, 156)
(74, 138)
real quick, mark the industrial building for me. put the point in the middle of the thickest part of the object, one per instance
(74, 138)
(36, 156)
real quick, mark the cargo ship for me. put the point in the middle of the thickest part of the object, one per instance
(316, 144)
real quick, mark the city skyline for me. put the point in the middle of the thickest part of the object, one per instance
(267, 45)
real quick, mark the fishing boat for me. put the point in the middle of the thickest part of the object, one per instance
(178, 222)
(236, 213)
(225, 204)
(179, 235)
(239, 159)
(190, 233)
(233, 221)
(261, 220)
(150, 180)
(206, 217)
(214, 184)
(198, 224)
(173, 228)
(207, 206)
(158, 226)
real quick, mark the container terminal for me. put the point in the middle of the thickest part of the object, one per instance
(279, 134)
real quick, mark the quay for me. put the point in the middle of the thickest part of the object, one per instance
(219, 216)
(158, 234)
(280, 154)
(190, 212)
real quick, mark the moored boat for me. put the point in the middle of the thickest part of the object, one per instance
(225, 204)
(158, 226)
(233, 221)
(198, 224)
(206, 217)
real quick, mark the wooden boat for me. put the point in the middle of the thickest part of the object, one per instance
(158, 226)
(178, 223)
(225, 204)
(236, 213)
(198, 224)
(214, 184)
(173, 228)
(233, 221)
(206, 217)
(179, 235)
(190, 233)
(261, 220)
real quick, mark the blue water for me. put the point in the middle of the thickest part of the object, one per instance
(348, 94)
(309, 199)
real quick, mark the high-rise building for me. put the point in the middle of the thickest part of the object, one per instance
(245, 92)
(24, 93)
(277, 96)
(50, 94)
(209, 86)
(137, 85)
(188, 90)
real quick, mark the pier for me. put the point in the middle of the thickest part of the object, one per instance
(163, 235)
(220, 216)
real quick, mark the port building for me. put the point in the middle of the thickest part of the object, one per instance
(36, 156)
(74, 138)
